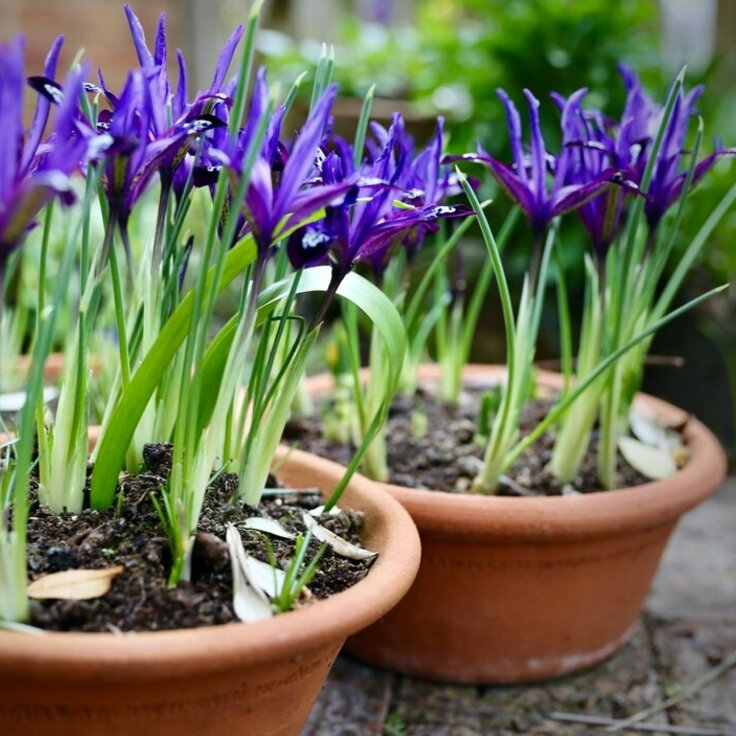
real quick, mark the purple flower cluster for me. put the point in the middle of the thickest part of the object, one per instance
(393, 198)
(601, 162)
(356, 214)
(152, 129)
(148, 128)
(526, 179)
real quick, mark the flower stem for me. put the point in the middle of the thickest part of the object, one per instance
(117, 292)
(327, 299)
(158, 237)
(375, 460)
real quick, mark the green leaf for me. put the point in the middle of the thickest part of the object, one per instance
(386, 320)
(361, 130)
(567, 399)
(127, 414)
(438, 262)
(376, 305)
(213, 367)
(271, 426)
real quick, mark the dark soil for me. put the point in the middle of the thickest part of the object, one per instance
(139, 598)
(447, 458)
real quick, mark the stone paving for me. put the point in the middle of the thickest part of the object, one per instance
(688, 628)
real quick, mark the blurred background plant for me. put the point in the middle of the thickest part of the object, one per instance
(453, 54)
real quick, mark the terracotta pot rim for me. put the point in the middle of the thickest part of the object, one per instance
(181, 653)
(550, 518)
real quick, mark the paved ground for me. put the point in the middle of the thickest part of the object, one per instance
(689, 627)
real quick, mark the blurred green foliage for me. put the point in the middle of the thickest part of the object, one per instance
(457, 52)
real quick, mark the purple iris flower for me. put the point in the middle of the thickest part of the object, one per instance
(427, 182)
(131, 158)
(134, 155)
(593, 144)
(33, 173)
(642, 116)
(526, 180)
(366, 226)
(271, 207)
(284, 188)
(170, 109)
(425, 179)
(590, 151)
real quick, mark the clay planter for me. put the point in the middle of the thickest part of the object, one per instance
(235, 679)
(53, 368)
(524, 589)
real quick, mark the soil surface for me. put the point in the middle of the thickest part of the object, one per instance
(447, 457)
(130, 534)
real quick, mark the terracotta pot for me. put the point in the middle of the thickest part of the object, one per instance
(235, 679)
(53, 368)
(524, 589)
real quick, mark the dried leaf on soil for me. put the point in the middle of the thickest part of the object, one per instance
(264, 577)
(319, 510)
(271, 492)
(267, 526)
(339, 545)
(653, 433)
(250, 603)
(649, 461)
(13, 402)
(74, 585)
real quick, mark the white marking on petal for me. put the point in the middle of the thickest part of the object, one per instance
(198, 126)
(99, 144)
(54, 93)
(54, 179)
(442, 210)
(314, 238)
